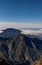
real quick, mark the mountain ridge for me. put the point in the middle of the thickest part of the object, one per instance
(21, 49)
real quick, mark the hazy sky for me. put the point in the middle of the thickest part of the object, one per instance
(29, 11)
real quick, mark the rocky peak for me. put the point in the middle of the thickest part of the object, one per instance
(20, 49)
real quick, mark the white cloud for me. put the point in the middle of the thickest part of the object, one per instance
(4, 25)
(32, 32)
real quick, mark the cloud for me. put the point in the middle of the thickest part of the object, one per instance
(18, 25)
(32, 32)
(22, 26)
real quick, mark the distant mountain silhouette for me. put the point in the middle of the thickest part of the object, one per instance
(9, 32)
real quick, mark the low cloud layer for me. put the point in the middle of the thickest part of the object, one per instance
(19, 25)
(32, 32)
(4, 25)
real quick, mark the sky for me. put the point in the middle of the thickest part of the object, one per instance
(22, 11)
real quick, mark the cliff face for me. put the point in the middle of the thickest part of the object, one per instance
(20, 50)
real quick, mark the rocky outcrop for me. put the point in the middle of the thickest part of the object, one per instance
(20, 49)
